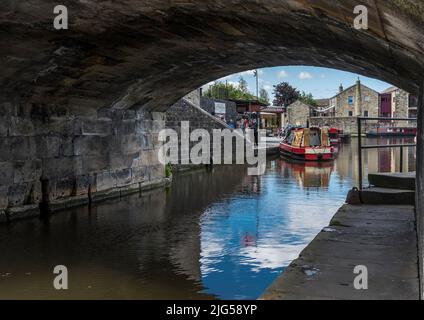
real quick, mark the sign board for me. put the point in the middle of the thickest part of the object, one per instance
(219, 108)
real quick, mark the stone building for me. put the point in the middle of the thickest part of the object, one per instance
(222, 109)
(399, 103)
(323, 109)
(298, 113)
(341, 110)
(413, 106)
(357, 100)
(273, 118)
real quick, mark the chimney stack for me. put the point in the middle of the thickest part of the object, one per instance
(358, 99)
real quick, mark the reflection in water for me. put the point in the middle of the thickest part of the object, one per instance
(375, 160)
(219, 234)
(309, 174)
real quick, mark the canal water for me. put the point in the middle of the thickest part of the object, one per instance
(210, 235)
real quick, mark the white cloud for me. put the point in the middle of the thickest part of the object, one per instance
(206, 86)
(234, 83)
(267, 87)
(282, 74)
(323, 76)
(305, 75)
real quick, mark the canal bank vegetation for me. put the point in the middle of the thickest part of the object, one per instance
(238, 91)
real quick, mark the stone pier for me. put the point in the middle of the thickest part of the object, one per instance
(419, 195)
(64, 158)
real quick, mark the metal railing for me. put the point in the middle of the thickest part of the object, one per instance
(362, 147)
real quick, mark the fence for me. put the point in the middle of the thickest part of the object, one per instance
(362, 147)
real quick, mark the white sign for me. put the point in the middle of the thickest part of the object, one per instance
(219, 108)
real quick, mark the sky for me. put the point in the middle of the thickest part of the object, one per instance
(321, 82)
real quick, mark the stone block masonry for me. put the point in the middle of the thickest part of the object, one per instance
(208, 105)
(349, 125)
(298, 113)
(198, 118)
(401, 108)
(65, 159)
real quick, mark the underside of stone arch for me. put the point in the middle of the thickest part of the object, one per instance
(132, 54)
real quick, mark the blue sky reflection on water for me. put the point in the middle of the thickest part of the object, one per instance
(249, 237)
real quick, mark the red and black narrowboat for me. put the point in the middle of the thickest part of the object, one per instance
(309, 144)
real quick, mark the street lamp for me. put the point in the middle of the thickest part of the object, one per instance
(255, 74)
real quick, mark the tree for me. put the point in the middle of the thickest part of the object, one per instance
(285, 94)
(243, 85)
(263, 96)
(220, 90)
(308, 99)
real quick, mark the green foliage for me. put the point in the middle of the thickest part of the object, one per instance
(243, 85)
(284, 93)
(263, 96)
(308, 99)
(221, 90)
(168, 171)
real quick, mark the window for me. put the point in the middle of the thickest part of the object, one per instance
(367, 99)
(365, 113)
(350, 113)
(350, 100)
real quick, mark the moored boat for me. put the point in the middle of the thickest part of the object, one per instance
(309, 144)
(334, 136)
(393, 132)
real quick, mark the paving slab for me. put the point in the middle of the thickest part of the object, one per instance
(382, 238)
(393, 180)
(378, 195)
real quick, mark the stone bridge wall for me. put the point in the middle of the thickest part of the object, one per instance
(67, 159)
(208, 105)
(198, 118)
(347, 124)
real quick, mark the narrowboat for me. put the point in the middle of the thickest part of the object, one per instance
(393, 132)
(334, 136)
(308, 144)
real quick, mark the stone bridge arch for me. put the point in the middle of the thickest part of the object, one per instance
(128, 54)
(78, 106)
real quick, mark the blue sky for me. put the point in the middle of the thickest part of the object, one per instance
(321, 82)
